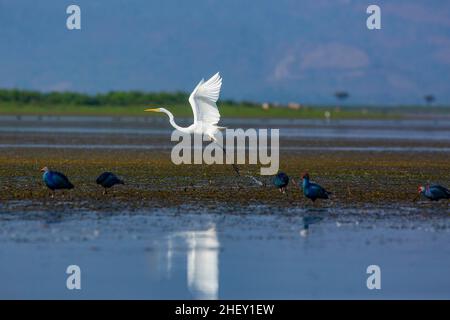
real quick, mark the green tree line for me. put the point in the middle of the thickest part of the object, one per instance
(113, 98)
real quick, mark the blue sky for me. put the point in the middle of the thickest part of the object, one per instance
(284, 50)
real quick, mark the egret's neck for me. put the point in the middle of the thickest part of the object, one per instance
(172, 121)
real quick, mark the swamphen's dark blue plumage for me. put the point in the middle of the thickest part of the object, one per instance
(312, 190)
(281, 180)
(55, 180)
(434, 192)
(108, 179)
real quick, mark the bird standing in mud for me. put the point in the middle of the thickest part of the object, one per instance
(434, 192)
(312, 190)
(107, 180)
(55, 180)
(281, 180)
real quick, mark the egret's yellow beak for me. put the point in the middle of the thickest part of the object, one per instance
(154, 110)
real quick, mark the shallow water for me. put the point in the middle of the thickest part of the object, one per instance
(436, 121)
(328, 133)
(168, 147)
(407, 129)
(247, 253)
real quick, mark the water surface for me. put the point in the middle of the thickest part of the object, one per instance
(192, 253)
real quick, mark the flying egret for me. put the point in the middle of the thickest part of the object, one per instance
(206, 114)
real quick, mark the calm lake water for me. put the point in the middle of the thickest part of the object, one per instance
(425, 129)
(190, 253)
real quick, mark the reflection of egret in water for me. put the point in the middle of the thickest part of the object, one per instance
(202, 261)
(307, 221)
(203, 264)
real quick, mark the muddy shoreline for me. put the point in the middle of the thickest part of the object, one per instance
(356, 179)
(360, 171)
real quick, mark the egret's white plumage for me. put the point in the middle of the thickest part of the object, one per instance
(206, 114)
(203, 103)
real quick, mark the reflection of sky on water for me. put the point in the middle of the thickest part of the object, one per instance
(169, 147)
(253, 254)
(316, 132)
(441, 122)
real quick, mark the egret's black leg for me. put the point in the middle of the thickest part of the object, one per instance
(236, 169)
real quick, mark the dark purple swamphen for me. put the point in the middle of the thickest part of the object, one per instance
(434, 192)
(312, 190)
(107, 180)
(55, 180)
(281, 180)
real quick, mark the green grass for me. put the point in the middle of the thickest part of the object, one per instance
(226, 110)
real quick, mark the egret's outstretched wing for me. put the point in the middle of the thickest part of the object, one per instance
(203, 100)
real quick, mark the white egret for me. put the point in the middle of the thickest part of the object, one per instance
(206, 114)
(203, 103)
